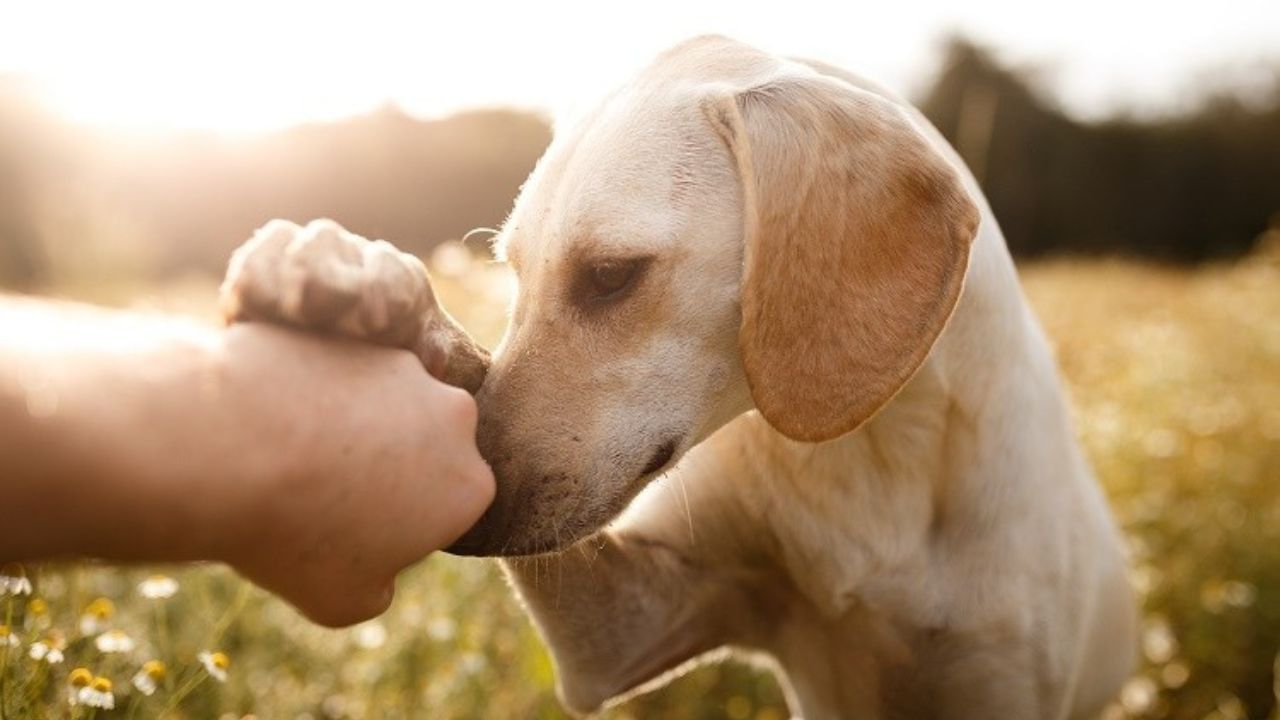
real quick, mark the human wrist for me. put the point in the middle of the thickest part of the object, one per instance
(241, 497)
(176, 466)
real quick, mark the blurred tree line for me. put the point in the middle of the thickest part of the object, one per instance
(148, 206)
(1201, 185)
(1197, 186)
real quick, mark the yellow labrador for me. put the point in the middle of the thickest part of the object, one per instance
(776, 287)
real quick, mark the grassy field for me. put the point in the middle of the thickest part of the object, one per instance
(1175, 384)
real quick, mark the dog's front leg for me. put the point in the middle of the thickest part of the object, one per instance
(621, 609)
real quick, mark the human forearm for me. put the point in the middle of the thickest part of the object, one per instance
(107, 440)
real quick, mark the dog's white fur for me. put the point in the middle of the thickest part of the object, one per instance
(950, 557)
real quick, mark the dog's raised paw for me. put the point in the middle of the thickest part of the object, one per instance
(324, 277)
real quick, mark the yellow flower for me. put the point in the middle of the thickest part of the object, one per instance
(95, 616)
(146, 679)
(82, 692)
(38, 607)
(216, 664)
(8, 637)
(158, 587)
(80, 677)
(101, 608)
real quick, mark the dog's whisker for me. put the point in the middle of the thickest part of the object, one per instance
(555, 528)
(468, 235)
(684, 492)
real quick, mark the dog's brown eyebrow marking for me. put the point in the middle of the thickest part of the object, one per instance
(586, 247)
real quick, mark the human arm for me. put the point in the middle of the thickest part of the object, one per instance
(317, 468)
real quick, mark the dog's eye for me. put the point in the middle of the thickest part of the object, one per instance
(608, 280)
(611, 277)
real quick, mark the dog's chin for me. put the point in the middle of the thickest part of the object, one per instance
(486, 547)
(504, 531)
(492, 537)
(498, 536)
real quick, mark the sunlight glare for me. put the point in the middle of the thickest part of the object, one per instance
(239, 65)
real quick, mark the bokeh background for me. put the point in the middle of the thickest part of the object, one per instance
(1131, 152)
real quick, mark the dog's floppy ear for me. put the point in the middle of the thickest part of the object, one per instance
(857, 240)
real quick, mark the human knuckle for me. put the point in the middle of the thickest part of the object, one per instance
(482, 482)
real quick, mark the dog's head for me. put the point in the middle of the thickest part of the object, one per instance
(728, 231)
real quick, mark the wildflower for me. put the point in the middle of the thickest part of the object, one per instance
(10, 585)
(158, 587)
(38, 614)
(114, 641)
(216, 664)
(8, 638)
(371, 635)
(97, 694)
(95, 616)
(45, 650)
(79, 679)
(146, 679)
(13, 581)
(442, 629)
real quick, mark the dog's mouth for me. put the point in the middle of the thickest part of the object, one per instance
(498, 532)
(661, 456)
(479, 541)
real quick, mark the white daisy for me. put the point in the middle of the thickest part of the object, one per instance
(114, 641)
(158, 587)
(15, 585)
(42, 650)
(97, 694)
(148, 678)
(8, 637)
(371, 635)
(79, 679)
(215, 663)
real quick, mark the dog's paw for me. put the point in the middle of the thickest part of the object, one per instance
(323, 277)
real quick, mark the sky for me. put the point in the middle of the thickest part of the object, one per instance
(234, 66)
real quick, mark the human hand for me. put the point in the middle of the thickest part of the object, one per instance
(367, 464)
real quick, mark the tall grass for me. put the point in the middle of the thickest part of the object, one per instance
(1175, 380)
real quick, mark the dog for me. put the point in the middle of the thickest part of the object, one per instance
(773, 285)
